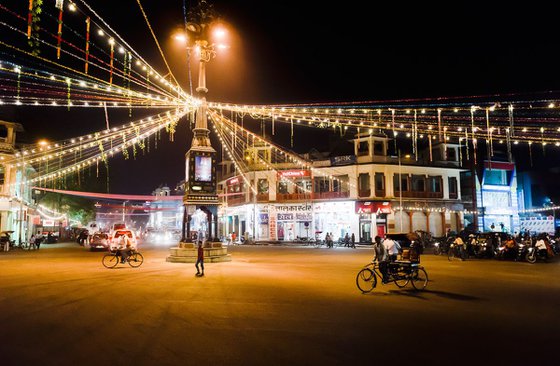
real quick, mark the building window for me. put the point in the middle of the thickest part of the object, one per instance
(303, 185)
(451, 154)
(363, 148)
(378, 148)
(262, 186)
(434, 184)
(321, 184)
(283, 187)
(340, 183)
(379, 181)
(363, 181)
(452, 187)
(418, 183)
(403, 182)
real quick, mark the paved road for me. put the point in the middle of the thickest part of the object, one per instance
(271, 305)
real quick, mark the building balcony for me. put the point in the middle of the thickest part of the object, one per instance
(281, 197)
(6, 147)
(379, 193)
(330, 195)
(236, 200)
(260, 197)
(263, 197)
(453, 195)
(419, 194)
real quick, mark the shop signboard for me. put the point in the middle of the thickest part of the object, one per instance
(343, 160)
(263, 218)
(300, 173)
(285, 217)
(373, 207)
(294, 208)
(303, 216)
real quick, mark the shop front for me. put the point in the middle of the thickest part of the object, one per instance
(337, 218)
(372, 219)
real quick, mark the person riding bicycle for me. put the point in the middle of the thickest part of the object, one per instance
(125, 247)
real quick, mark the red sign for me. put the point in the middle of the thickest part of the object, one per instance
(499, 165)
(233, 181)
(294, 173)
(370, 207)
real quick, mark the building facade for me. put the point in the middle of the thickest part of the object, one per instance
(366, 194)
(17, 211)
(497, 196)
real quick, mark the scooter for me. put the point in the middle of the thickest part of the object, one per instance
(534, 254)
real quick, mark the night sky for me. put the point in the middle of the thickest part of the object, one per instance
(306, 51)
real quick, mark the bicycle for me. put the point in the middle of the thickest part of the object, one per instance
(399, 272)
(134, 259)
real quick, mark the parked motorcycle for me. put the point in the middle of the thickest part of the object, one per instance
(542, 250)
(441, 247)
(483, 247)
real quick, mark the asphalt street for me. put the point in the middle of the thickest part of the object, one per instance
(272, 306)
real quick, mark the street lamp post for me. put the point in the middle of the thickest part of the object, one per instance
(400, 189)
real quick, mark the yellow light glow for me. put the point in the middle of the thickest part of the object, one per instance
(180, 37)
(72, 7)
(219, 32)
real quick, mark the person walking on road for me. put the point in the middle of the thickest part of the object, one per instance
(200, 260)
(353, 241)
(346, 240)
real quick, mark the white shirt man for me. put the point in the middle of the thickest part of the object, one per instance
(392, 248)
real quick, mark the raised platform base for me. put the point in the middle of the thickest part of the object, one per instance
(188, 253)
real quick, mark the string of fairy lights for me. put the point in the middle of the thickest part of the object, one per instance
(240, 140)
(32, 79)
(54, 161)
(496, 124)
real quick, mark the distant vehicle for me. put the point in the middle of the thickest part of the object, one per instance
(50, 237)
(99, 241)
(118, 226)
(114, 238)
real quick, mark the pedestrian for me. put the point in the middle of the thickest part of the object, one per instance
(346, 240)
(353, 241)
(32, 242)
(200, 260)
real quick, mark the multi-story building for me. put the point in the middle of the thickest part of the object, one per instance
(496, 195)
(17, 212)
(368, 193)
